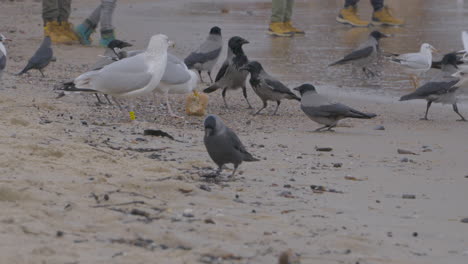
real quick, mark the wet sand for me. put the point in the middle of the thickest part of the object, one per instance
(79, 185)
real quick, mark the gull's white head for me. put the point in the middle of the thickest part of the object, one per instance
(158, 43)
(428, 48)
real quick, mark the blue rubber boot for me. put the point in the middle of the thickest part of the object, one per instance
(84, 31)
(106, 37)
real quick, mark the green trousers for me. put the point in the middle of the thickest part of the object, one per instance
(56, 10)
(281, 10)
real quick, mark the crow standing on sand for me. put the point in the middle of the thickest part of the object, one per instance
(321, 110)
(206, 56)
(230, 77)
(267, 87)
(364, 55)
(41, 58)
(440, 92)
(223, 145)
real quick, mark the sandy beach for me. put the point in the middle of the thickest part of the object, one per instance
(81, 185)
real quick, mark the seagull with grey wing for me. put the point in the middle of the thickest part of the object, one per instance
(267, 87)
(442, 91)
(41, 57)
(416, 63)
(3, 55)
(223, 145)
(230, 77)
(206, 56)
(364, 55)
(131, 77)
(321, 110)
(177, 79)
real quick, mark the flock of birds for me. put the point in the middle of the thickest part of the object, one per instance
(129, 74)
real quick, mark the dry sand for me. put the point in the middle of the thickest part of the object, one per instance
(75, 189)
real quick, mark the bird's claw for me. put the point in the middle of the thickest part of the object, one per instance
(425, 119)
(461, 120)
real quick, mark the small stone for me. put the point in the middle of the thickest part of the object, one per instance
(253, 211)
(188, 213)
(209, 221)
(415, 234)
(106, 197)
(379, 128)
(406, 152)
(405, 159)
(325, 149)
(205, 187)
(389, 234)
(464, 220)
(408, 196)
(337, 165)
(287, 186)
(84, 123)
(59, 234)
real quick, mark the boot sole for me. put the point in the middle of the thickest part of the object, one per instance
(271, 33)
(378, 23)
(347, 22)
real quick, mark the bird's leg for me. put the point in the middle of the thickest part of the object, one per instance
(42, 73)
(209, 75)
(372, 74)
(118, 104)
(427, 110)
(201, 79)
(224, 97)
(364, 69)
(169, 109)
(277, 106)
(98, 99)
(155, 101)
(455, 108)
(244, 92)
(218, 171)
(235, 169)
(320, 128)
(331, 126)
(107, 98)
(264, 106)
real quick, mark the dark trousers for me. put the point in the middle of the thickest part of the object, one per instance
(56, 10)
(377, 4)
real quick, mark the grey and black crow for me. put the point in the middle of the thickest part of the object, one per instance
(364, 55)
(41, 57)
(321, 110)
(230, 77)
(267, 87)
(206, 56)
(223, 145)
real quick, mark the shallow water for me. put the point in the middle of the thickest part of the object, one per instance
(302, 58)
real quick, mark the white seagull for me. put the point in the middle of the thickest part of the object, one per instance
(416, 63)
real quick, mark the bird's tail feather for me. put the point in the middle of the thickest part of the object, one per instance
(248, 157)
(25, 70)
(336, 63)
(212, 88)
(358, 114)
(407, 97)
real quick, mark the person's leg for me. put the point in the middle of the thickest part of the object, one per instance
(348, 15)
(349, 3)
(85, 29)
(377, 4)
(277, 28)
(107, 30)
(287, 18)
(383, 16)
(64, 7)
(50, 10)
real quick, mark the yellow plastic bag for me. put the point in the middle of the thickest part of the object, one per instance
(196, 103)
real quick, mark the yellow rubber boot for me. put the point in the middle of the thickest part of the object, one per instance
(52, 29)
(278, 29)
(349, 16)
(384, 17)
(288, 25)
(67, 29)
